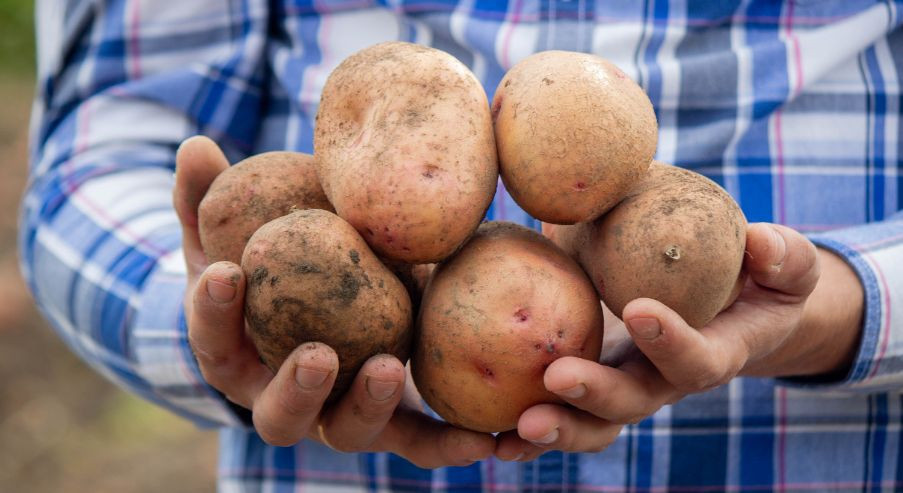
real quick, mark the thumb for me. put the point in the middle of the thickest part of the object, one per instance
(198, 162)
(781, 259)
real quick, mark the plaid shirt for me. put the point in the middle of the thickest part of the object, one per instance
(794, 107)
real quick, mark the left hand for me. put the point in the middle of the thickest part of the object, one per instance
(379, 412)
(778, 326)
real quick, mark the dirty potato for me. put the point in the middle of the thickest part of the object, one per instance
(251, 193)
(678, 238)
(311, 278)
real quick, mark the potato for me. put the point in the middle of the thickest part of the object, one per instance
(405, 150)
(494, 316)
(312, 278)
(574, 134)
(250, 194)
(678, 238)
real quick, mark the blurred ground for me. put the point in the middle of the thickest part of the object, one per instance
(62, 428)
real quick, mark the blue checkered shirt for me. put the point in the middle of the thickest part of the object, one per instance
(794, 107)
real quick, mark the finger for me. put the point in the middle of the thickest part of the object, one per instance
(609, 393)
(551, 426)
(411, 397)
(289, 406)
(198, 162)
(782, 259)
(511, 447)
(429, 443)
(617, 345)
(691, 360)
(228, 360)
(355, 422)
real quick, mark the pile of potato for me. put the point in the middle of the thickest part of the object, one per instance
(339, 247)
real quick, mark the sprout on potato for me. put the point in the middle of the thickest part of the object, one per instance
(678, 238)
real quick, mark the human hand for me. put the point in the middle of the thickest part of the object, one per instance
(777, 326)
(378, 413)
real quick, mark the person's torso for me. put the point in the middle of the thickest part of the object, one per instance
(792, 106)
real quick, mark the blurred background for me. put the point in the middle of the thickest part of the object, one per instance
(63, 428)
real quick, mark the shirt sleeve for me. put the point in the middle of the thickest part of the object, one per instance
(875, 252)
(121, 84)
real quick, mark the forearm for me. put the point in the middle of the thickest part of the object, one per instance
(103, 261)
(99, 239)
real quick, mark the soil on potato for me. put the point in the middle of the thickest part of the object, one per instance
(64, 428)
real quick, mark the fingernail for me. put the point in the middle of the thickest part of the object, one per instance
(220, 291)
(548, 438)
(309, 378)
(381, 390)
(646, 328)
(518, 457)
(575, 392)
(779, 247)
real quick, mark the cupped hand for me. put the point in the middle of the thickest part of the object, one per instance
(771, 329)
(378, 413)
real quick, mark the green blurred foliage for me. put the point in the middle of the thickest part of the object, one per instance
(17, 41)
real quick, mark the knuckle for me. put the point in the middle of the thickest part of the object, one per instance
(207, 357)
(348, 441)
(422, 460)
(596, 447)
(696, 382)
(600, 444)
(423, 464)
(708, 376)
(292, 403)
(449, 446)
(279, 441)
(214, 379)
(346, 446)
(601, 400)
(634, 418)
(810, 254)
(595, 450)
(272, 434)
(222, 377)
(609, 437)
(370, 415)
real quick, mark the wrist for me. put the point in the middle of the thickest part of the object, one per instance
(830, 327)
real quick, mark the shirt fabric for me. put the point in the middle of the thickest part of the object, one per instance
(794, 107)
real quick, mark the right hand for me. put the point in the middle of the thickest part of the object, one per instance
(380, 412)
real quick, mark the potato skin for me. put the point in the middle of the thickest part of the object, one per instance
(494, 316)
(574, 134)
(312, 278)
(678, 238)
(405, 150)
(251, 193)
